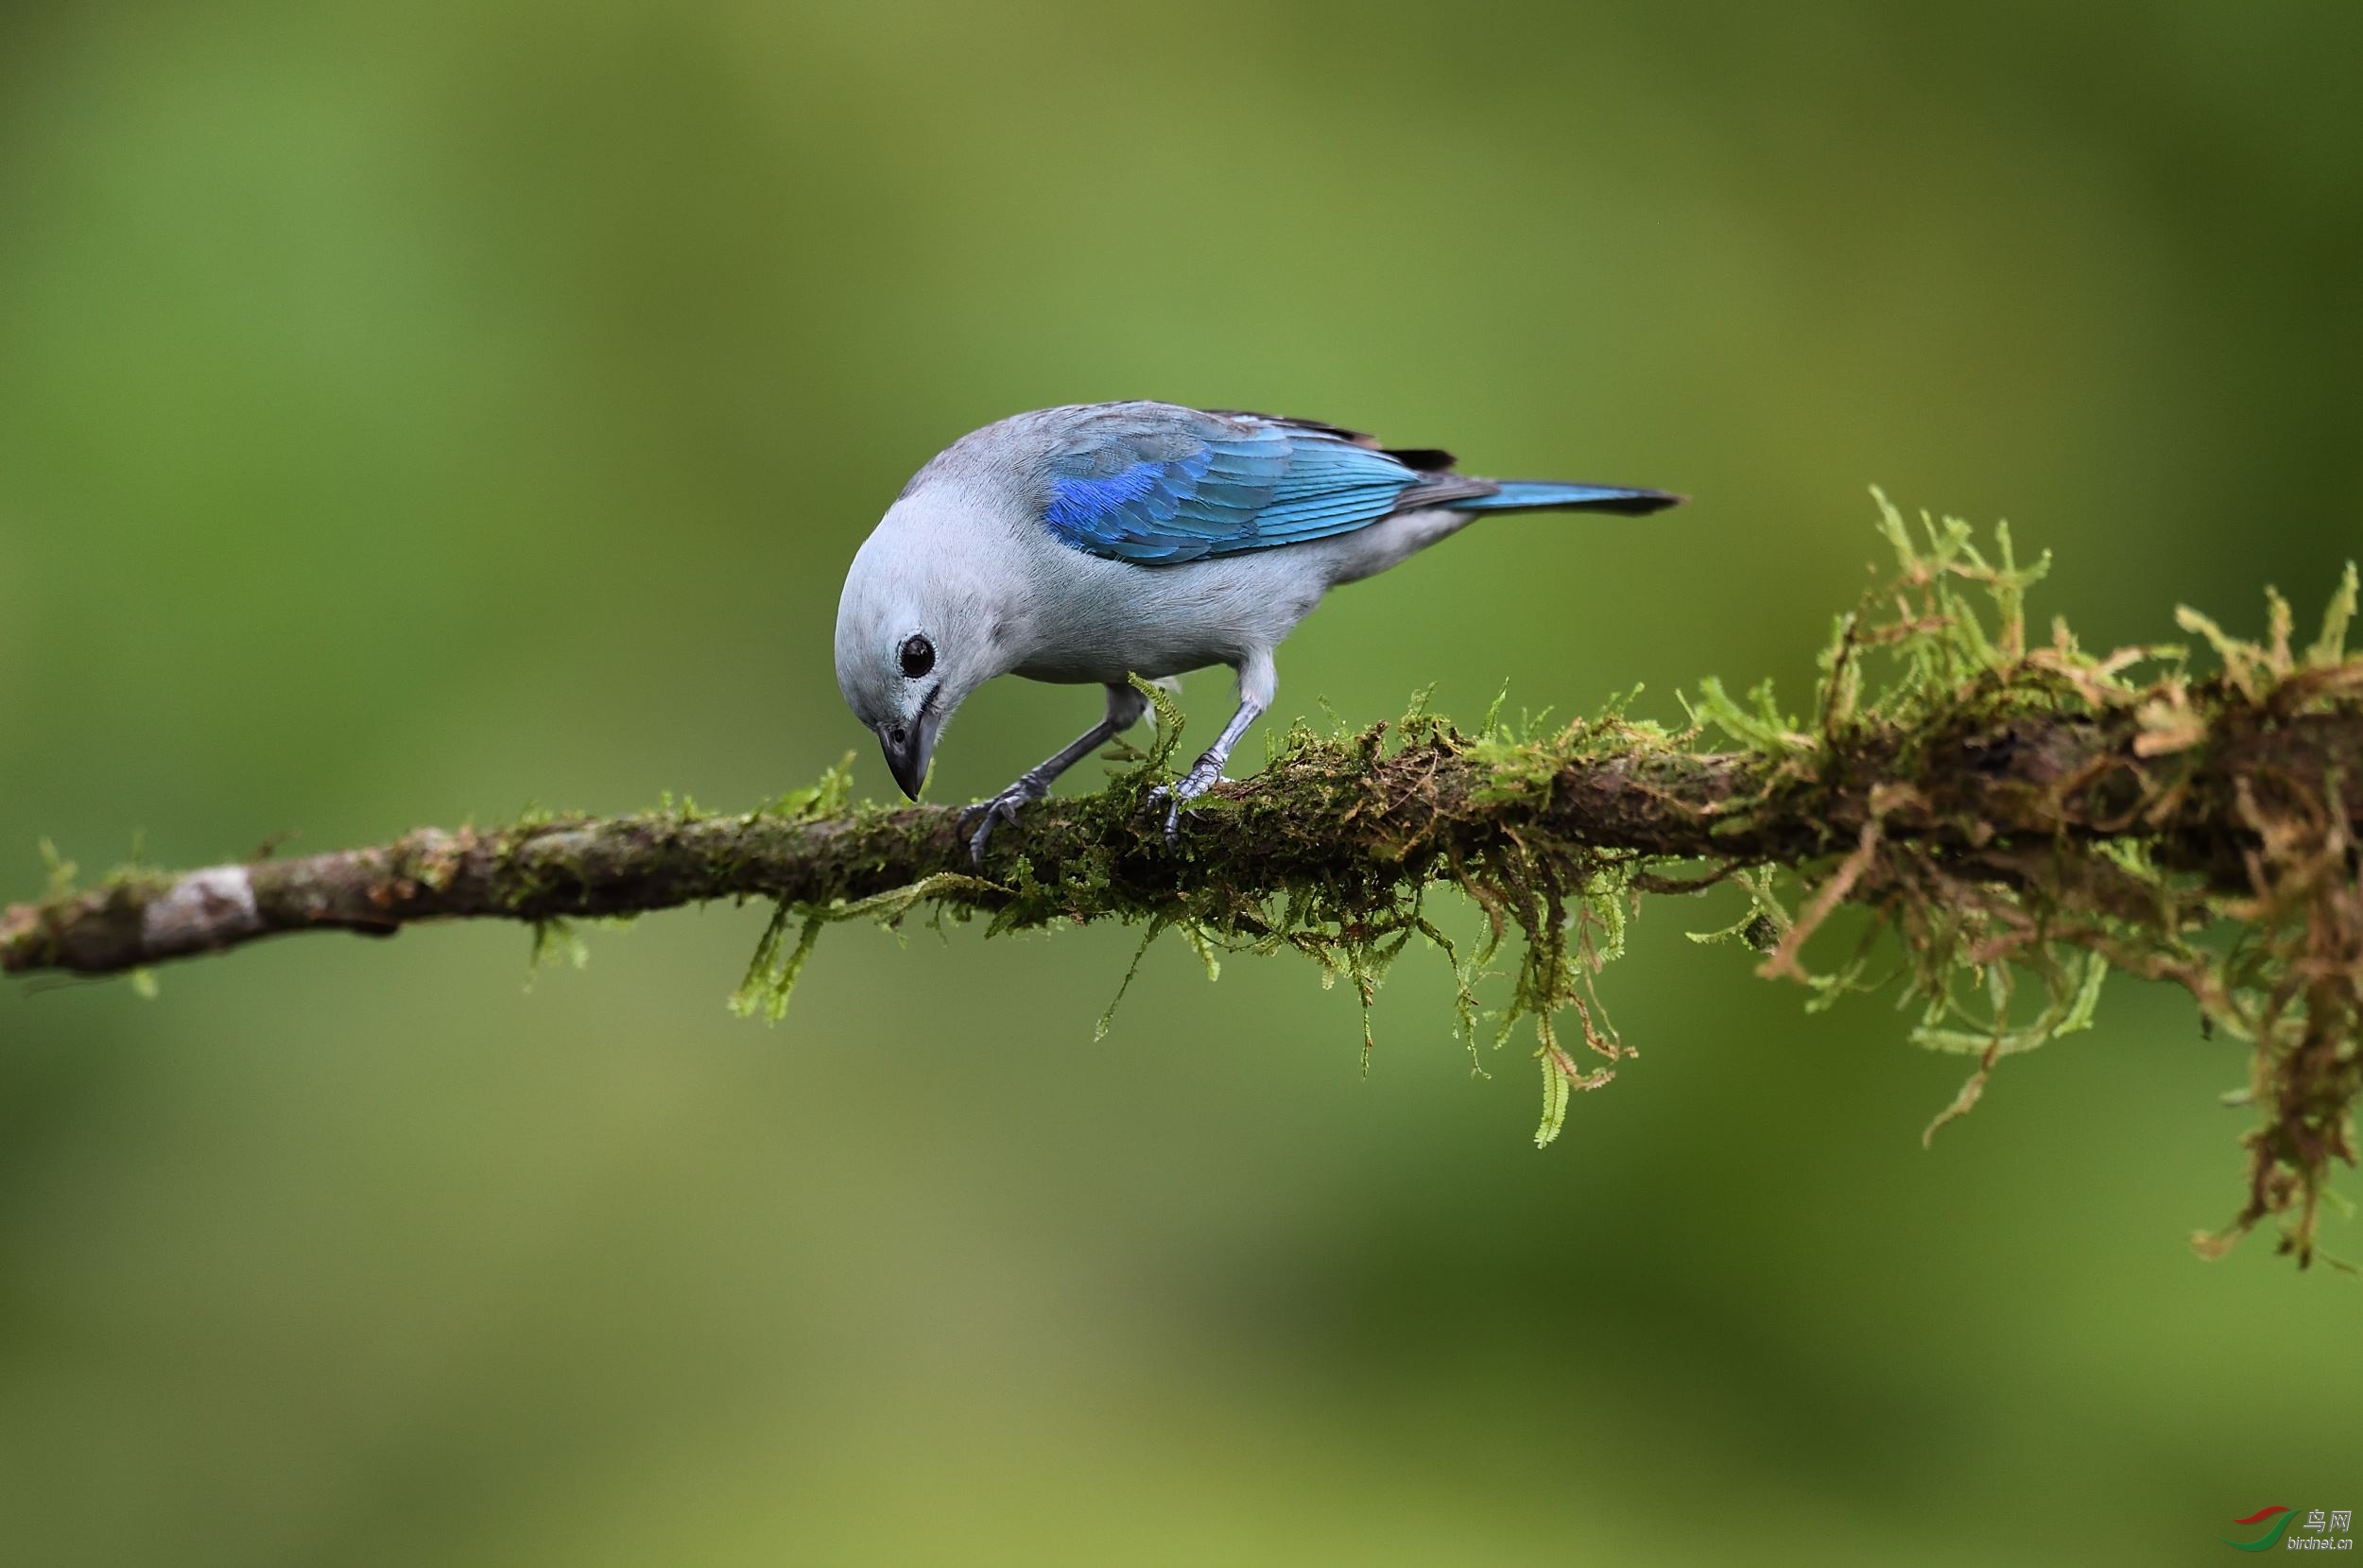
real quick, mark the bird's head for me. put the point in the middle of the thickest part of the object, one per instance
(918, 628)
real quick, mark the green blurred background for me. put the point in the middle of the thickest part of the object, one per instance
(409, 413)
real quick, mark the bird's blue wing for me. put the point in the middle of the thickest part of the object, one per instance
(1160, 485)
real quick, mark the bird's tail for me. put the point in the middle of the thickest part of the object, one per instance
(1547, 495)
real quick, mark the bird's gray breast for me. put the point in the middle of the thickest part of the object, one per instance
(1096, 619)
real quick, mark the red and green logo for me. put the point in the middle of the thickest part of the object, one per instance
(2280, 1518)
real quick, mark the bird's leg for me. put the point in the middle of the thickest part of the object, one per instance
(1258, 685)
(1125, 707)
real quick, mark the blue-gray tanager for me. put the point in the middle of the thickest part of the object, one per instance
(1091, 544)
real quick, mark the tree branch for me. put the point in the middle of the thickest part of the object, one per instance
(1980, 797)
(2024, 820)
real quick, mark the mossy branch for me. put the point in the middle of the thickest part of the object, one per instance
(2024, 818)
(1357, 820)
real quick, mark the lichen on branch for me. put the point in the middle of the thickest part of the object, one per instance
(2021, 818)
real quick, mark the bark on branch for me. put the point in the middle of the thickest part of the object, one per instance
(1982, 797)
(2025, 820)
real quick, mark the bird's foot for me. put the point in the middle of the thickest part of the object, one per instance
(1001, 808)
(1189, 786)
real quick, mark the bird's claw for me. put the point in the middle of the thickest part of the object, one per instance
(1197, 782)
(1001, 808)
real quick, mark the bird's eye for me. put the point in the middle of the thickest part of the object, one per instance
(895, 734)
(918, 657)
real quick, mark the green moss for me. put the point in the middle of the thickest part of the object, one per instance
(2000, 964)
(558, 941)
(2018, 818)
(2006, 945)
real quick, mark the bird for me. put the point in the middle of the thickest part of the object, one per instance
(1090, 544)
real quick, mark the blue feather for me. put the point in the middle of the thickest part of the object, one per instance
(1076, 503)
(1544, 495)
(1157, 483)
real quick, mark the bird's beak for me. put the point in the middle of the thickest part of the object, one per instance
(908, 762)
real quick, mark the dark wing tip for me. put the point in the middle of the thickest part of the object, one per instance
(1418, 459)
